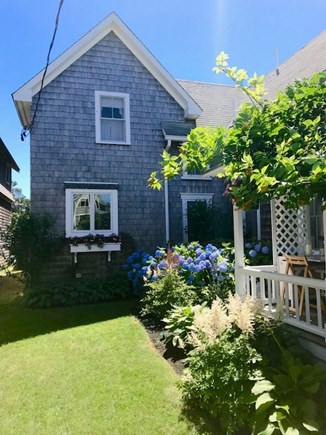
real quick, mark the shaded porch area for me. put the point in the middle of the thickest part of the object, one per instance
(293, 292)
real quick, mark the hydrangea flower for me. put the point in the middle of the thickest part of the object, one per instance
(159, 253)
(252, 253)
(265, 250)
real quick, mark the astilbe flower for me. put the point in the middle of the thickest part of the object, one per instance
(242, 312)
(210, 323)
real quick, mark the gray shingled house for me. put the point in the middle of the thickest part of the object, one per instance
(7, 164)
(107, 110)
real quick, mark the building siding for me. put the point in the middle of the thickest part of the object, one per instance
(5, 219)
(63, 144)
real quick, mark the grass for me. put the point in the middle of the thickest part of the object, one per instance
(82, 370)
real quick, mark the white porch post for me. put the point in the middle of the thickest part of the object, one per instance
(274, 237)
(238, 251)
(324, 232)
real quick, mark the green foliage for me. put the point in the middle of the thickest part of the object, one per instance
(214, 290)
(30, 241)
(21, 203)
(165, 293)
(179, 324)
(274, 148)
(286, 400)
(219, 379)
(279, 149)
(224, 362)
(254, 86)
(77, 292)
(258, 252)
(209, 223)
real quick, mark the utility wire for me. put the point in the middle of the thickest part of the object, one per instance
(27, 129)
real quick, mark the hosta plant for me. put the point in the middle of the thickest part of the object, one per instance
(286, 400)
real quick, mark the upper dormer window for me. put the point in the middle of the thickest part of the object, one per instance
(112, 119)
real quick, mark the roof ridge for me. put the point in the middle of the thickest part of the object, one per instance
(296, 52)
(206, 83)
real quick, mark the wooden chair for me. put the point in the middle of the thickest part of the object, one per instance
(299, 266)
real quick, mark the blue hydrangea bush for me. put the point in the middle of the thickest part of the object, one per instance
(258, 253)
(203, 267)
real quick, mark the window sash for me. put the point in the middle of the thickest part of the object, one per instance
(100, 203)
(112, 117)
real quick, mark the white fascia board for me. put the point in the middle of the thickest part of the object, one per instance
(111, 24)
(5, 192)
(213, 172)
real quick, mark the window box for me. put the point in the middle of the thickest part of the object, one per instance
(107, 247)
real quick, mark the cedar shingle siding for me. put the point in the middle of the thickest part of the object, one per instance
(63, 144)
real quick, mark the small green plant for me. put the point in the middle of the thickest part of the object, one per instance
(165, 293)
(179, 324)
(286, 400)
(77, 292)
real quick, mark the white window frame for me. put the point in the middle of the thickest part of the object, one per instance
(125, 97)
(191, 197)
(188, 176)
(70, 232)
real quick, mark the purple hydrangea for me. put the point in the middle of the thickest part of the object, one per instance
(265, 250)
(252, 253)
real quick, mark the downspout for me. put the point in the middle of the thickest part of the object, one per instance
(166, 201)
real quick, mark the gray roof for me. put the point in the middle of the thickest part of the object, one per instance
(303, 64)
(219, 102)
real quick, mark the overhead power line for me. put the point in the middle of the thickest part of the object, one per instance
(27, 129)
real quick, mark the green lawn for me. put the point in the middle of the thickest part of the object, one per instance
(82, 370)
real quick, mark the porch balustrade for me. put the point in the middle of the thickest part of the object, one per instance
(280, 295)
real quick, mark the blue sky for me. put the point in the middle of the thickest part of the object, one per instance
(184, 35)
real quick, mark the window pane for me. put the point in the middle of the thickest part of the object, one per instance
(102, 211)
(112, 107)
(113, 130)
(81, 212)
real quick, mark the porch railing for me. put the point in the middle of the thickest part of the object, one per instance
(299, 301)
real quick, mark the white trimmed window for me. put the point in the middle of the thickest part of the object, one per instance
(112, 118)
(91, 212)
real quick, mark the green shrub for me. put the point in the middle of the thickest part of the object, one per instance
(165, 293)
(209, 223)
(219, 379)
(78, 292)
(30, 241)
(224, 364)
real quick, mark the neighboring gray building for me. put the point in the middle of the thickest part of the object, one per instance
(7, 164)
(107, 110)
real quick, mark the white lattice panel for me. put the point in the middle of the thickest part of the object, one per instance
(290, 229)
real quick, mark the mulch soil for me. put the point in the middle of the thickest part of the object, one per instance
(173, 355)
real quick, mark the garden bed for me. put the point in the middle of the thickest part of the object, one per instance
(173, 355)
